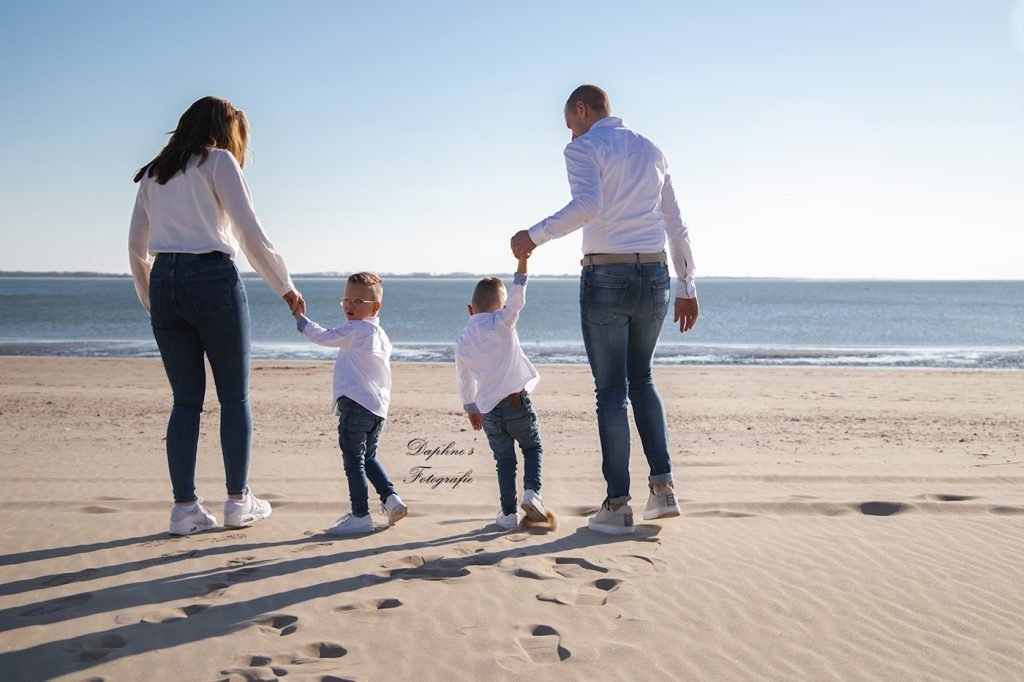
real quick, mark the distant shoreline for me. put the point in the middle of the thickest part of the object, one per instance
(24, 274)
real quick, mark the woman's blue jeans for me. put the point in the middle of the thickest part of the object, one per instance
(198, 308)
(622, 309)
(358, 434)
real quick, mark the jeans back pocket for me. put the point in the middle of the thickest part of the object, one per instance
(213, 293)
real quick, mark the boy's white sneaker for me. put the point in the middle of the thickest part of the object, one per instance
(350, 524)
(662, 504)
(246, 511)
(394, 509)
(508, 521)
(533, 506)
(613, 522)
(191, 519)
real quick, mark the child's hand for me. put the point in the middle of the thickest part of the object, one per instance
(476, 420)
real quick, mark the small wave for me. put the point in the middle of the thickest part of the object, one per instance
(568, 353)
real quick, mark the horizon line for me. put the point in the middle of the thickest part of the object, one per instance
(250, 274)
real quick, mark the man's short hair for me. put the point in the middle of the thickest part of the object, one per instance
(591, 95)
(489, 294)
(368, 279)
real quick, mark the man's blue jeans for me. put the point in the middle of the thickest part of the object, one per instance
(505, 426)
(198, 308)
(622, 308)
(358, 433)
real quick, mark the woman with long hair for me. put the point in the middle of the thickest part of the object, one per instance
(192, 212)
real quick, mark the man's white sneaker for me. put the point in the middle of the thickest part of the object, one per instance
(245, 512)
(192, 519)
(613, 522)
(533, 506)
(394, 509)
(508, 521)
(662, 504)
(349, 524)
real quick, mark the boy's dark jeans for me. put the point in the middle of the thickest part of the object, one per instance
(358, 432)
(506, 425)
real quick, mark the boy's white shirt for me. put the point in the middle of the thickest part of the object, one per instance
(362, 370)
(489, 361)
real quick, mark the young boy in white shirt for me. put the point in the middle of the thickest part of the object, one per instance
(495, 378)
(362, 392)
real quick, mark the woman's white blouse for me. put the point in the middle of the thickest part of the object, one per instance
(206, 208)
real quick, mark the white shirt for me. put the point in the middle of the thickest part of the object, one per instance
(362, 371)
(623, 199)
(206, 208)
(489, 361)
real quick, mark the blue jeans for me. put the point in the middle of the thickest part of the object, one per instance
(198, 308)
(506, 425)
(622, 308)
(358, 433)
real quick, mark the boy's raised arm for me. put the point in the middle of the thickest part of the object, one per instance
(335, 338)
(516, 295)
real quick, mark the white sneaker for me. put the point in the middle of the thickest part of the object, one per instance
(192, 519)
(508, 521)
(349, 524)
(394, 509)
(533, 506)
(246, 511)
(662, 504)
(613, 522)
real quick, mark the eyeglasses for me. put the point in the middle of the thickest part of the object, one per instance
(356, 301)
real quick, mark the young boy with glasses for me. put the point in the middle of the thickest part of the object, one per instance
(362, 391)
(495, 380)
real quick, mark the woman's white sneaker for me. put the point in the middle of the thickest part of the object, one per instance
(245, 512)
(394, 509)
(350, 524)
(191, 519)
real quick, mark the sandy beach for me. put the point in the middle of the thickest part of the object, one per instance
(837, 524)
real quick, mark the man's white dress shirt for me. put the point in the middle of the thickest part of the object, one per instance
(362, 371)
(489, 361)
(622, 197)
(206, 208)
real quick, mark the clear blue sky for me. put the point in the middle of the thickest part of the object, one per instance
(858, 138)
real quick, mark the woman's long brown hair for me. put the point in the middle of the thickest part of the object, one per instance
(209, 122)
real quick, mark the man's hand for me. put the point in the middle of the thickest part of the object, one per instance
(686, 313)
(522, 245)
(296, 304)
(476, 420)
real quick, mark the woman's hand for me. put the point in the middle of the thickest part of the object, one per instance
(295, 302)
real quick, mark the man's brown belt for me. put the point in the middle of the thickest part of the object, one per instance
(609, 258)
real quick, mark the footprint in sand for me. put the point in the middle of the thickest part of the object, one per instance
(318, 650)
(945, 498)
(415, 567)
(174, 615)
(254, 673)
(575, 567)
(99, 509)
(718, 514)
(214, 590)
(637, 564)
(56, 605)
(882, 508)
(597, 593)
(370, 605)
(65, 578)
(278, 625)
(95, 648)
(540, 644)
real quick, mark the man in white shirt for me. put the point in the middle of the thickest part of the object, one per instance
(495, 380)
(622, 197)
